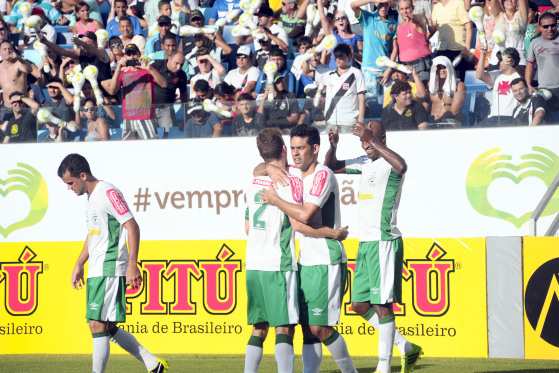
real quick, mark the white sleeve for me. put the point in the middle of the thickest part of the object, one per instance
(321, 188)
(360, 82)
(116, 206)
(253, 74)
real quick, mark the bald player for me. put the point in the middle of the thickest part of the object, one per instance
(378, 272)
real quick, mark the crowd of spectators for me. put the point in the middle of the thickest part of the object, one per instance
(141, 69)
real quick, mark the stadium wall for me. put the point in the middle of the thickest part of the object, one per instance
(464, 296)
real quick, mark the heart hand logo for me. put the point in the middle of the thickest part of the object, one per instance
(491, 165)
(29, 181)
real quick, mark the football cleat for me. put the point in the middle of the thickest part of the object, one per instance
(162, 367)
(410, 359)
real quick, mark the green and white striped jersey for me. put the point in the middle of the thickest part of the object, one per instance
(321, 189)
(379, 196)
(271, 242)
(106, 239)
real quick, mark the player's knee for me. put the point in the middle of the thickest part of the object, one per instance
(320, 332)
(112, 329)
(360, 308)
(97, 327)
(384, 310)
(286, 330)
(260, 330)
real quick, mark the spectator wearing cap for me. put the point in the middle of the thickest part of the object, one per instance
(245, 76)
(118, 11)
(404, 113)
(379, 29)
(283, 110)
(207, 69)
(84, 22)
(155, 42)
(544, 54)
(500, 81)
(171, 70)
(127, 34)
(220, 9)
(292, 18)
(277, 57)
(214, 42)
(86, 52)
(411, 45)
(271, 32)
(200, 123)
(341, 29)
(196, 19)
(345, 91)
(20, 125)
(530, 109)
(135, 84)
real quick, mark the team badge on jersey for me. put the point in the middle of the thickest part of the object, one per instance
(117, 201)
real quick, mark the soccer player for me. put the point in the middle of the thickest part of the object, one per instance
(322, 261)
(378, 271)
(271, 277)
(111, 267)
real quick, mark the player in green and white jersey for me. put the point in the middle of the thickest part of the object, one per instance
(322, 261)
(377, 282)
(270, 258)
(111, 267)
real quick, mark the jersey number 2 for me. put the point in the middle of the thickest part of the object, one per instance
(257, 223)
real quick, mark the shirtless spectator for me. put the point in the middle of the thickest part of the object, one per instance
(14, 72)
(447, 93)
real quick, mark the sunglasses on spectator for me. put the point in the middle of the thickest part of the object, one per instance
(340, 18)
(89, 110)
(553, 25)
(164, 24)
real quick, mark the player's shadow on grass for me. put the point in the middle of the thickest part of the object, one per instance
(396, 369)
(527, 370)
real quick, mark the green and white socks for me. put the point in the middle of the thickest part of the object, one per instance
(101, 350)
(285, 356)
(312, 354)
(386, 340)
(402, 343)
(130, 344)
(253, 355)
(338, 349)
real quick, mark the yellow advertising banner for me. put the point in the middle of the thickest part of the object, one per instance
(541, 297)
(193, 299)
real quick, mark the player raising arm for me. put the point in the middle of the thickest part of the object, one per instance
(378, 271)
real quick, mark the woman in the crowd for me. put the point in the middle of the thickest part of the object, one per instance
(83, 22)
(97, 127)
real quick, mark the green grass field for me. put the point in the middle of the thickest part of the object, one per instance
(231, 364)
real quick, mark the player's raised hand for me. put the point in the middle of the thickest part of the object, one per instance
(133, 276)
(333, 136)
(77, 277)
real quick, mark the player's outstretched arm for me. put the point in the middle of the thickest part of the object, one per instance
(77, 273)
(339, 234)
(331, 160)
(133, 275)
(302, 213)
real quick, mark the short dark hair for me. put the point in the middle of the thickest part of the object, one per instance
(15, 93)
(309, 132)
(512, 53)
(122, 1)
(303, 40)
(125, 18)
(162, 2)
(169, 36)
(270, 144)
(75, 164)
(276, 52)
(399, 87)
(202, 85)
(245, 97)
(224, 89)
(518, 80)
(342, 50)
(549, 15)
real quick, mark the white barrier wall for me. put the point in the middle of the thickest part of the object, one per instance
(460, 183)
